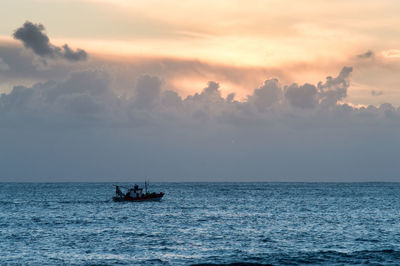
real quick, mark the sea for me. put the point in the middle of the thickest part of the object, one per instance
(201, 224)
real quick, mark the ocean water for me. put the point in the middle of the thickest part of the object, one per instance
(201, 223)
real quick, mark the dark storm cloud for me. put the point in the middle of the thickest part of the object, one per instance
(334, 89)
(33, 37)
(266, 95)
(148, 90)
(119, 122)
(304, 96)
(18, 64)
(19, 67)
(79, 127)
(82, 91)
(82, 98)
(71, 55)
(323, 95)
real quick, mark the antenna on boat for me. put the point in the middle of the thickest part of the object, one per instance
(146, 183)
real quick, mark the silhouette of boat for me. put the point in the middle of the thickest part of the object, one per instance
(136, 194)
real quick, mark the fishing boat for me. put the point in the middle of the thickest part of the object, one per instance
(136, 194)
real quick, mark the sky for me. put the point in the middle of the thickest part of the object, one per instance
(104, 90)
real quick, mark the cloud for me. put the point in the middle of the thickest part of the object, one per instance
(122, 118)
(334, 89)
(91, 93)
(80, 127)
(392, 53)
(306, 96)
(148, 90)
(376, 93)
(368, 54)
(325, 94)
(266, 95)
(19, 67)
(84, 97)
(71, 55)
(3, 65)
(33, 37)
(301, 96)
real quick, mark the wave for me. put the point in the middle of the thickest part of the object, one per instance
(382, 256)
(84, 201)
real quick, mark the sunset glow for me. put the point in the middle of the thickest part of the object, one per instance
(307, 40)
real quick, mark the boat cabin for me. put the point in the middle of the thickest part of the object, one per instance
(135, 192)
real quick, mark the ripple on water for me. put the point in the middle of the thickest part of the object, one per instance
(208, 224)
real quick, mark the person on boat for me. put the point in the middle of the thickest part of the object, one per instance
(119, 192)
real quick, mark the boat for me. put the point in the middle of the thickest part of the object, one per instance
(136, 194)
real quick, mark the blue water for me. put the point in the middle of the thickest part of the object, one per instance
(202, 223)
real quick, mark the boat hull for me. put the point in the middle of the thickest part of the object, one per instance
(150, 197)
